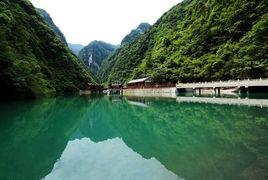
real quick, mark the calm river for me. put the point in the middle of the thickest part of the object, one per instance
(105, 138)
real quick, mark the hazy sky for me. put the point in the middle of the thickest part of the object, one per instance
(82, 21)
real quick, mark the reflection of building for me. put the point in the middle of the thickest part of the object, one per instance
(93, 88)
(135, 103)
(115, 98)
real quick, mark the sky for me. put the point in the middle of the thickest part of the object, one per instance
(82, 21)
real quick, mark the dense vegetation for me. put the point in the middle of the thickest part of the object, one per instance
(75, 48)
(135, 33)
(51, 24)
(94, 53)
(109, 63)
(199, 40)
(33, 60)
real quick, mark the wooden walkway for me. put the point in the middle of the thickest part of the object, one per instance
(227, 101)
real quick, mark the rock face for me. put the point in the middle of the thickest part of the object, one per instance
(75, 48)
(94, 53)
(199, 40)
(52, 25)
(108, 63)
(33, 61)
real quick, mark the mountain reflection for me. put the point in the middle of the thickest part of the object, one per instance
(91, 137)
(83, 158)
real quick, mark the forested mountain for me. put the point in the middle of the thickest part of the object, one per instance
(33, 60)
(94, 53)
(51, 24)
(108, 63)
(75, 48)
(199, 40)
(135, 33)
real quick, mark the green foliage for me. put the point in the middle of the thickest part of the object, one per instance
(33, 61)
(51, 24)
(94, 53)
(109, 63)
(135, 33)
(199, 40)
(107, 66)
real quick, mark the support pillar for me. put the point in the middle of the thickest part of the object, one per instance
(247, 90)
(217, 91)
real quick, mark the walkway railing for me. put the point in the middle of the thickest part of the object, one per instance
(152, 86)
(230, 83)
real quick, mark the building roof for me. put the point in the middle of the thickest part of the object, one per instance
(138, 80)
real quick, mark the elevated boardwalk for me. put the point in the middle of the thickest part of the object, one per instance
(227, 101)
(239, 85)
(225, 84)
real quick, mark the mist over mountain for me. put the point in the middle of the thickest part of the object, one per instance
(75, 48)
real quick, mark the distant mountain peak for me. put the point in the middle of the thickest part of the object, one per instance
(94, 53)
(75, 48)
(109, 62)
(144, 26)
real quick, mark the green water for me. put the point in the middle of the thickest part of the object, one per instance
(131, 139)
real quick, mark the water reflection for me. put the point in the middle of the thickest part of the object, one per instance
(229, 101)
(195, 141)
(33, 134)
(71, 137)
(110, 159)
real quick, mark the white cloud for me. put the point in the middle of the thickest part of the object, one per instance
(82, 21)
